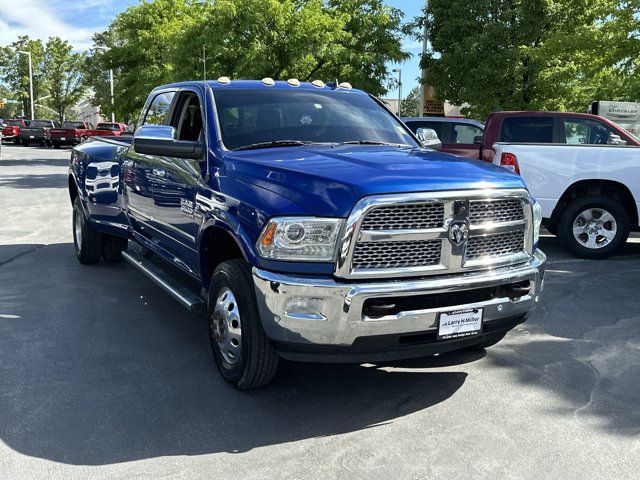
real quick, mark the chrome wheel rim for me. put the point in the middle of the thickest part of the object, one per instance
(226, 327)
(595, 228)
(77, 228)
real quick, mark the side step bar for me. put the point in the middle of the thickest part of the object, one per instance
(179, 292)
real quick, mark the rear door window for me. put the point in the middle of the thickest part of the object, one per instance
(527, 130)
(464, 133)
(583, 131)
(158, 111)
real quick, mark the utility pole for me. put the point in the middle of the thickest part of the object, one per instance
(28, 53)
(399, 72)
(425, 43)
(204, 63)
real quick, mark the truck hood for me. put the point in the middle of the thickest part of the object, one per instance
(328, 180)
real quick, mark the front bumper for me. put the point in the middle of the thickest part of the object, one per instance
(314, 318)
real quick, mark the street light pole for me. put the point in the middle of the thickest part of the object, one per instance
(113, 100)
(399, 72)
(28, 53)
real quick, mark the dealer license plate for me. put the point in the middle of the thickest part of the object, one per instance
(62, 138)
(32, 136)
(459, 323)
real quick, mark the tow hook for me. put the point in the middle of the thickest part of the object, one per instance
(516, 291)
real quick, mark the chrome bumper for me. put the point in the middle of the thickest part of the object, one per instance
(321, 311)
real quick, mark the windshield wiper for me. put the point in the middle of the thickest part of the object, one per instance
(368, 142)
(275, 143)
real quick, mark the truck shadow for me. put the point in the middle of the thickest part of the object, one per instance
(48, 180)
(100, 367)
(43, 162)
(582, 341)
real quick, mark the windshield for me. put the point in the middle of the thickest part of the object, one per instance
(267, 116)
(14, 123)
(108, 126)
(73, 125)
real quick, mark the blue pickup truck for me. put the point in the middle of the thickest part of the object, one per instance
(308, 223)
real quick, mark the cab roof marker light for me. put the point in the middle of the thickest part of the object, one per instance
(294, 82)
(224, 80)
(268, 81)
(346, 85)
(318, 83)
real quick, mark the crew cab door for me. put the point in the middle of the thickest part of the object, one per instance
(139, 169)
(176, 181)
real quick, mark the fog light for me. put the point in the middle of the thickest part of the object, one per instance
(304, 308)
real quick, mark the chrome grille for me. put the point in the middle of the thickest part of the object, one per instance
(418, 234)
(495, 211)
(495, 245)
(377, 255)
(405, 217)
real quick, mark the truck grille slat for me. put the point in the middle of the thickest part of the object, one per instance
(405, 217)
(377, 255)
(495, 211)
(495, 245)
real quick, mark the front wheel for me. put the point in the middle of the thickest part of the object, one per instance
(594, 226)
(56, 145)
(87, 241)
(25, 143)
(242, 351)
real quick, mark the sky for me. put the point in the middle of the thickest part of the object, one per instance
(78, 21)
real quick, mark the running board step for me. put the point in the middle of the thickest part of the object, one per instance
(179, 292)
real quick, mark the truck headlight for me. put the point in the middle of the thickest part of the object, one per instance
(537, 222)
(306, 239)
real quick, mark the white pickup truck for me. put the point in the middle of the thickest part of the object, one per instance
(590, 194)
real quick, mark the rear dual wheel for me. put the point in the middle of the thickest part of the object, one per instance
(90, 244)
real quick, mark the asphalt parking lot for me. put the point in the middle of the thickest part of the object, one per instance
(102, 375)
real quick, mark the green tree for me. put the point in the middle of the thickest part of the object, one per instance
(410, 103)
(506, 54)
(64, 74)
(160, 41)
(14, 70)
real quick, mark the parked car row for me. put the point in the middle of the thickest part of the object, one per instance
(54, 134)
(583, 169)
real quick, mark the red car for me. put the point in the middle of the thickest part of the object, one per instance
(71, 133)
(12, 131)
(551, 127)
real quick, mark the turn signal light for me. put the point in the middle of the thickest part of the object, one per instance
(510, 162)
(269, 234)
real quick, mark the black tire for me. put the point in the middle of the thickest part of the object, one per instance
(89, 246)
(257, 362)
(56, 145)
(572, 211)
(490, 341)
(112, 248)
(25, 143)
(17, 141)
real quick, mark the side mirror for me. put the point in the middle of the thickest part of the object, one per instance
(429, 138)
(160, 140)
(477, 140)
